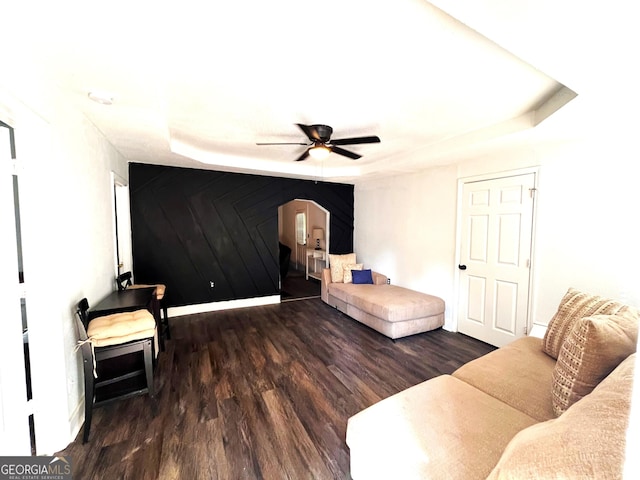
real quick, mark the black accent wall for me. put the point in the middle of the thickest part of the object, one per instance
(191, 227)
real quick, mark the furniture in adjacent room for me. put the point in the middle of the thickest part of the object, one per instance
(316, 262)
(124, 282)
(317, 234)
(285, 259)
(106, 337)
(556, 407)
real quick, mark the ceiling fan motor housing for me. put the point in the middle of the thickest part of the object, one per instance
(324, 132)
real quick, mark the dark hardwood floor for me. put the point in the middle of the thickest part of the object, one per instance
(295, 286)
(261, 392)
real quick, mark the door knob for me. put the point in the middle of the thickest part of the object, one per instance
(462, 267)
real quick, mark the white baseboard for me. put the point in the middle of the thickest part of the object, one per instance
(224, 305)
(77, 419)
(538, 330)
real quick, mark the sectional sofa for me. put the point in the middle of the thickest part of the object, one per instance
(552, 407)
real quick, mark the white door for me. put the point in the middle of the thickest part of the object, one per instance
(122, 219)
(495, 258)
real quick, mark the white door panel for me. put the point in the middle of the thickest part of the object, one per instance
(506, 303)
(496, 229)
(479, 236)
(477, 293)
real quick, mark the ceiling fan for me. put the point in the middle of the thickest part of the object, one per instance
(321, 144)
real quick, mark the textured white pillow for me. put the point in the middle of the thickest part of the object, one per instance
(347, 267)
(336, 264)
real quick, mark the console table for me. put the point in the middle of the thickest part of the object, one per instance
(126, 301)
(316, 261)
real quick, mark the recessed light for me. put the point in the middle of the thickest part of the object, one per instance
(103, 98)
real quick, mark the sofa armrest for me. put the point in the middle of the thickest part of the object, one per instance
(325, 280)
(378, 278)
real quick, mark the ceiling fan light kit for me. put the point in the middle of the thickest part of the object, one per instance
(319, 152)
(321, 144)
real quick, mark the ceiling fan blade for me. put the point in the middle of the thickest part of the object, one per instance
(303, 156)
(346, 153)
(310, 131)
(355, 140)
(283, 143)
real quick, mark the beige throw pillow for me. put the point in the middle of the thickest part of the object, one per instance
(337, 263)
(347, 277)
(593, 349)
(573, 306)
(588, 441)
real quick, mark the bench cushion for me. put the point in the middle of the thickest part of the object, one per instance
(121, 328)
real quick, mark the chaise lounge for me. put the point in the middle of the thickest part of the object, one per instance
(367, 297)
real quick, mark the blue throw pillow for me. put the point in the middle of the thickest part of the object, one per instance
(362, 276)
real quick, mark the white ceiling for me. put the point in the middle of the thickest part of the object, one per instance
(197, 84)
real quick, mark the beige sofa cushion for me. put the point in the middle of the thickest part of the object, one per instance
(337, 263)
(342, 291)
(519, 374)
(573, 306)
(430, 431)
(586, 442)
(393, 303)
(595, 346)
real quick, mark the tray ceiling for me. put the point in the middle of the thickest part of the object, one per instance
(197, 84)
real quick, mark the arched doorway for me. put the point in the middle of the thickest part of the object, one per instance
(303, 231)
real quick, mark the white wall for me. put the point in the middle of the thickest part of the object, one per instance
(405, 229)
(586, 229)
(66, 207)
(587, 233)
